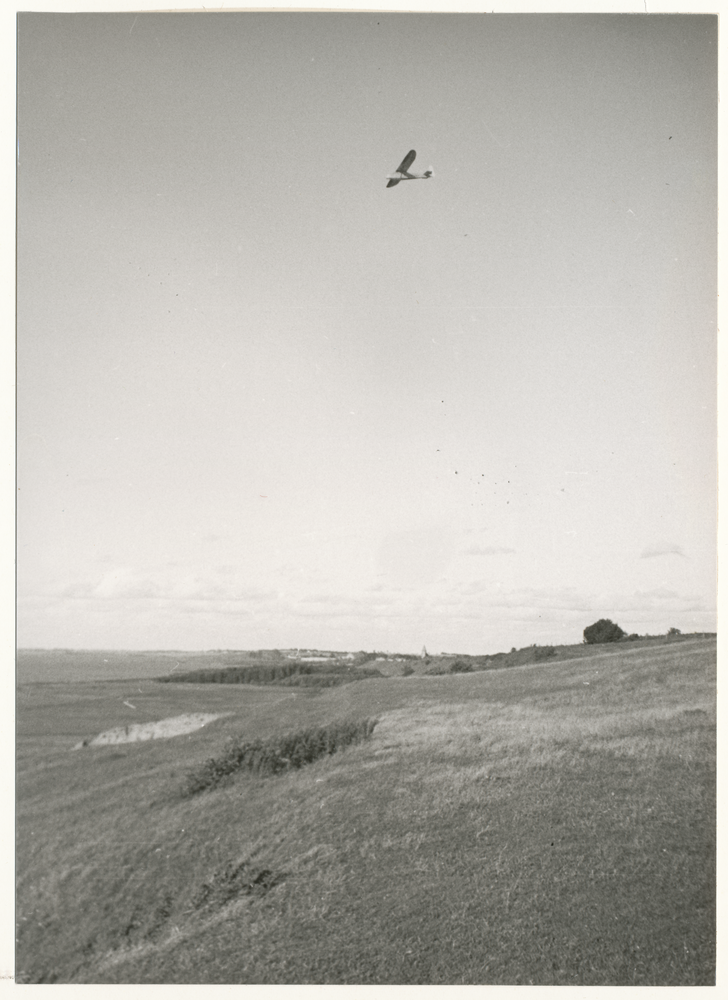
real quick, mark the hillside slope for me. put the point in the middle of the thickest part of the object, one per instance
(546, 824)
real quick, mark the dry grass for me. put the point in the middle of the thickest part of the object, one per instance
(541, 824)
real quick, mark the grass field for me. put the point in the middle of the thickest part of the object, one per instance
(541, 824)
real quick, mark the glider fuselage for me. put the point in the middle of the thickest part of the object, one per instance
(410, 177)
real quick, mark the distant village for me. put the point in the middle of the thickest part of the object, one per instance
(321, 656)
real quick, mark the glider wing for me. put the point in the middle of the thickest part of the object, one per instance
(407, 162)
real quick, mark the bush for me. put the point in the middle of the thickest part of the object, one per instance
(437, 670)
(543, 653)
(603, 631)
(287, 673)
(461, 667)
(280, 753)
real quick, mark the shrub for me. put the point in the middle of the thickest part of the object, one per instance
(461, 667)
(287, 673)
(603, 631)
(544, 653)
(279, 753)
(674, 631)
(437, 670)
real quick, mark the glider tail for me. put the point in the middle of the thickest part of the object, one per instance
(429, 173)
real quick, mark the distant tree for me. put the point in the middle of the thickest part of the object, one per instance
(674, 631)
(603, 631)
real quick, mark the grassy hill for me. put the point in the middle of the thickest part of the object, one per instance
(549, 823)
(446, 663)
(53, 665)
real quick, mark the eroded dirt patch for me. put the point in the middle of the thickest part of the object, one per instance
(177, 725)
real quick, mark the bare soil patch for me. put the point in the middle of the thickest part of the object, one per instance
(177, 725)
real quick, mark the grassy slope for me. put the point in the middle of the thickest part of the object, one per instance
(441, 664)
(539, 824)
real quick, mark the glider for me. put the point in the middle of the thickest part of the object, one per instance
(402, 172)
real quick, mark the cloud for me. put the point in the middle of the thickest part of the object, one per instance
(124, 582)
(488, 550)
(659, 599)
(487, 594)
(478, 616)
(163, 584)
(659, 594)
(332, 600)
(662, 549)
(363, 606)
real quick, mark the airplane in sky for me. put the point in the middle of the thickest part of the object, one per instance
(402, 172)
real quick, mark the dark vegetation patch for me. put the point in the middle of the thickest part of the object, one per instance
(279, 753)
(463, 664)
(291, 673)
(605, 630)
(232, 881)
(149, 924)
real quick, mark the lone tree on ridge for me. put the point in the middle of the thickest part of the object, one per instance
(603, 631)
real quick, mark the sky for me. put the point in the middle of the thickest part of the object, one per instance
(264, 401)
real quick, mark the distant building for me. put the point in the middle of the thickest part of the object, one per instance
(317, 655)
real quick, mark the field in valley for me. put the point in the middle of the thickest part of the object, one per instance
(549, 823)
